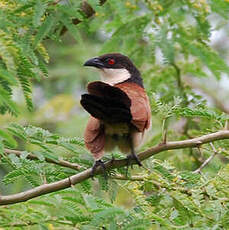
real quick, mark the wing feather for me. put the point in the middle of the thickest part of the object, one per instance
(140, 107)
(94, 137)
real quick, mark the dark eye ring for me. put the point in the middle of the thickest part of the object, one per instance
(111, 61)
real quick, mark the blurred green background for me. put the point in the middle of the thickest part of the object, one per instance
(182, 51)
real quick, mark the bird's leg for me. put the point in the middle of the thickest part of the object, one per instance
(112, 159)
(99, 163)
(133, 155)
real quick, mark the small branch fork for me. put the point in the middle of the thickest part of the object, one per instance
(206, 162)
(86, 174)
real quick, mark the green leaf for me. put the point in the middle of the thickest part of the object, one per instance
(12, 176)
(71, 28)
(139, 224)
(1, 147)
(105, 216)
(86, 186)
(39, 10)
(44, 29)
(9, 77)
(10, 142)
(220, 7)
(17, 130)
(6, 101)
(7, 52)
(27, 91)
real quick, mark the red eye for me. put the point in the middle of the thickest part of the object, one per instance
(111, 61)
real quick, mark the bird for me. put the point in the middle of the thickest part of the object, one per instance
(119, 108)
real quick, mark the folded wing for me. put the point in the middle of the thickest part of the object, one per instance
(140, 106)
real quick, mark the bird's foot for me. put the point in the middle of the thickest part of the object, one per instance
(112, 159)
(133, 157)
(99, 163)
(130, 158)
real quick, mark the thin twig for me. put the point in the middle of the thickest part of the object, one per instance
(206, 162)
(181, 88)
(180, 83)
(134, 178)
(164, 131)
(124, 177)
(201, 157)
(31, 156)
(86, 174)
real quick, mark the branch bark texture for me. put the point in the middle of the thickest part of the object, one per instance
(84, 175)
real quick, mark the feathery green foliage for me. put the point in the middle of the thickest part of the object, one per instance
(171, 44)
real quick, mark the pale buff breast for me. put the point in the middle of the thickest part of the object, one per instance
(117, 129)
(118, 135)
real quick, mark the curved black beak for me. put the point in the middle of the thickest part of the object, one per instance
(95, 62)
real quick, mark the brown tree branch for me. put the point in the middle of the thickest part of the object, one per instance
(84, 175)
(31, 156)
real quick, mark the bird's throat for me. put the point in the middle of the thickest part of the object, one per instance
(114, 76)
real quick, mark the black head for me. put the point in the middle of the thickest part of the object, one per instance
(115, 61)
(112, 61)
